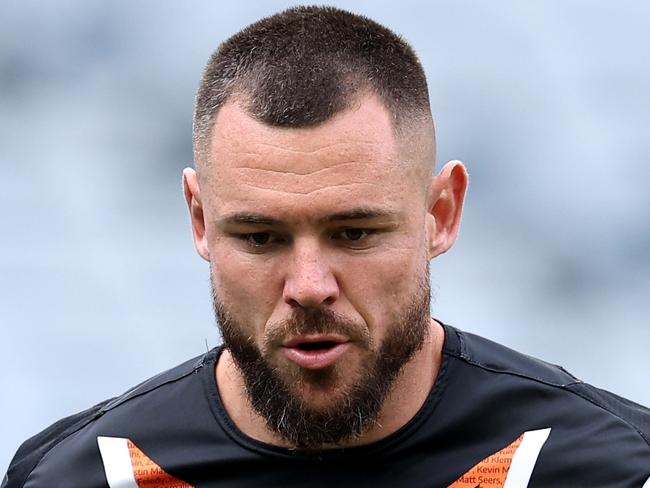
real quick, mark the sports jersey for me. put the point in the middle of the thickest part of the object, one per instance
(494, 418)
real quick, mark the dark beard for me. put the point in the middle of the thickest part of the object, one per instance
(285, 413)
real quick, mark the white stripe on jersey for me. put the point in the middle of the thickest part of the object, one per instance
(117, 462)
(525, 457)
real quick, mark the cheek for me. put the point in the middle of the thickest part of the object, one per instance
(247, 286)
(379, 287)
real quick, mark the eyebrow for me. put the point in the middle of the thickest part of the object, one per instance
(249, 218)
(252, 218)
(361, 213)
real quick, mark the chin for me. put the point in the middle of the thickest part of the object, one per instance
(319, 397)
(321, 389)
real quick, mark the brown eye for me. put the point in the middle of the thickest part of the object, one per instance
(354, 234)
(259, 238)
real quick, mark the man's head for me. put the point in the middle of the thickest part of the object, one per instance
(316, 206)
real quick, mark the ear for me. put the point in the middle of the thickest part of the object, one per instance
(193, 198)
(445, 205)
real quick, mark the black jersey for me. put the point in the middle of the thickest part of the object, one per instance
(494, 418)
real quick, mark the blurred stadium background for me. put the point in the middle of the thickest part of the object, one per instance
(548, 103)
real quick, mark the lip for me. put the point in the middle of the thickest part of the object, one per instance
(315, 358)
(311, 338)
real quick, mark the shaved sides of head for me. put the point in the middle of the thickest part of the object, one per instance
(300, 67)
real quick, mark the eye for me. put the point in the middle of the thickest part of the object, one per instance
(258, 239)
(354, 234)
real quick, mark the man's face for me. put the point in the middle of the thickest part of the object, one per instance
(318, 251)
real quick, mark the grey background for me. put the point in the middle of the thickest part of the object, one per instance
(547, 102)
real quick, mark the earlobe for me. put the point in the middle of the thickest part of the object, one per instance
(445, 208)
(192, 194)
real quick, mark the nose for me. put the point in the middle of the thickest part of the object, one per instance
(310, 281)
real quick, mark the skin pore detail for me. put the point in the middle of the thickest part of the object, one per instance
(327, 229)
(297, 153)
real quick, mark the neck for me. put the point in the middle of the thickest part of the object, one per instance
(406, 397)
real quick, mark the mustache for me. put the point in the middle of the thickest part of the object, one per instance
(305, 321)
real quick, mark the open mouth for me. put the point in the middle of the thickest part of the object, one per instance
(314, 352)
(315, 346)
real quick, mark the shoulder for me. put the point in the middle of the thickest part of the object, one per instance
(112, 414)
(590, 428)
(503, 361)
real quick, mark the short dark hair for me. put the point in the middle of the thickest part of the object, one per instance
(301, 66)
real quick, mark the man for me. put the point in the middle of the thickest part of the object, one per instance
(315, 204)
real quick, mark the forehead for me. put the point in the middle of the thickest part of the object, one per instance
(352, 156)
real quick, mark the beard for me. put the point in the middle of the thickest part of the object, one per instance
(273, 391)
